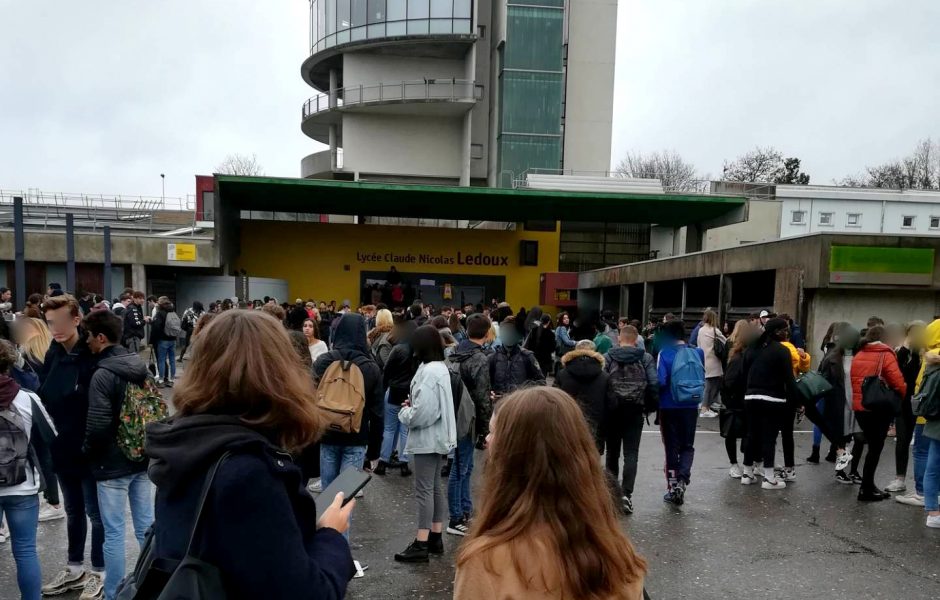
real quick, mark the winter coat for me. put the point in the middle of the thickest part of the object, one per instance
(400, 367)
(474, 367)
(734, 384)
(800, 363)
(430, 418)
(133, 322)
(39, 432)
(380, 345)
(158, 324)
(838, 418)
(909, 363)
(275, 551)
(512, 367)
(706, 341)
(626, 355)
(116, 368)
(583, 377)
(866, 363)
(770, 374)
(350, 344)
(667, 355)
(64, 382)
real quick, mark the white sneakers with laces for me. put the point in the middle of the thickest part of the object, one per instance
(50, 513)
(897, 485)
(911, 498)
(773, 484)
(933, 522)
(736, 471)
(843, 460)
(94, 587)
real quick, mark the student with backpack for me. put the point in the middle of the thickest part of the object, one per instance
(65, 377)
(349, 389)
(134, 323)
(681, 379)
(432, 434)
(165, 328)
(189, 320)
(632, 393)
(471, 363)
(24, 428)
(229, 495)
(122, 399)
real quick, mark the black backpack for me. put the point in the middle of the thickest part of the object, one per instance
(627, 385)
(168, 579)
(14, 448)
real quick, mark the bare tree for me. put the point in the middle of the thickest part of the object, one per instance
(758, 165)
(671, 169)
(240, 164)
(920, 170)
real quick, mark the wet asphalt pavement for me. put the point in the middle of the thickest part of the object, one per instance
(811, 540)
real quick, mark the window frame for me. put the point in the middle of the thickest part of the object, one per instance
(913, 219)
(858, 220)
(932, 226)
(830, 222)
(802, 217)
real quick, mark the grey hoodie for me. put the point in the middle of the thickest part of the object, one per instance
(625, 355)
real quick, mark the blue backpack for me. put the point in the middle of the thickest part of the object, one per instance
(687, 380)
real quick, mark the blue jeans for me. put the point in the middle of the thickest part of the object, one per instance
(932, 477)
(80, 496)
(393, 428)
(22, 515)
(920, 458)
(113, 496)
(458, 485)
(333, 461)
(817, 434)
(166, 349)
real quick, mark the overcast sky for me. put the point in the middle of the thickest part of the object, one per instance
(103, 96)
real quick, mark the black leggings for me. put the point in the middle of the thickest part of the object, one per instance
(905, 433)
(875, 426)
(731, 447)
(786, 437)
(765, 420)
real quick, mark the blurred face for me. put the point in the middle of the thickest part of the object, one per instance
(6, 296)
(62, 325)
(308, 329)
(565, 320)
(97, 343)
(322, 306)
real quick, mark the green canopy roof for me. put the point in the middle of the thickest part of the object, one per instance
(469, 203)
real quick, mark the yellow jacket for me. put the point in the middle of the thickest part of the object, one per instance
(800, 365)
(932, 355)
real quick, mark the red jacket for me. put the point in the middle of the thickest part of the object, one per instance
(865, 364)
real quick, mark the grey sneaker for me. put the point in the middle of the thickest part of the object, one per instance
(65, 581)
(897, 485)
(911, 499)
(94, 587)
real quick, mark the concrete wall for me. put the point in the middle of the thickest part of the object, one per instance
(89, 248)
(402, 144)
(762, 225)
(894, 306)
(663, 241)
(589, 90)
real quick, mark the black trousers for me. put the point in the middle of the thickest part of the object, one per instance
(765, 420)
(786, 437)
(81, 505)
(875, 427)
(624, 430)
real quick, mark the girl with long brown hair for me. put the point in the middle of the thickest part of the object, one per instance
(243, 404)
(547, 526)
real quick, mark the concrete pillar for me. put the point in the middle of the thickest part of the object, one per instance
(333, 88)
(787, 287)
(139, 278)
(333, 153)
(465, 150)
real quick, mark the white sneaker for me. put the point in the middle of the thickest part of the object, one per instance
(788, 474)
(777, 484)
(736, 471)
(843, 460)
(65, 581)
(708, 414)
(911, 499)
(316, 487)
(4, 532)
(933, 522)
(50, 513)
(897, 485)
(94, 587)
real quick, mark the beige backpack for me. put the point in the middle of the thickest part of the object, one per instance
(341, 397)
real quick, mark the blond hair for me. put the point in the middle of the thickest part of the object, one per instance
(36, 345)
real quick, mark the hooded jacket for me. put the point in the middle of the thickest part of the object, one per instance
(116, 368)
(627, 355)
(867, 362)
(349, 343)
(584, 378)
(63, 387)
(930, 360)
(258, 526)
(380, 344)
(133, 322)
(158, 324)
(39, 431)
(512, 367)
(400, 366)
(474, 368)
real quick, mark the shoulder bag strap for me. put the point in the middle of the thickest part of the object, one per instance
(206, 487)
(881, 364)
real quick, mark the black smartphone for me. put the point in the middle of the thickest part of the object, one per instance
(349, 482)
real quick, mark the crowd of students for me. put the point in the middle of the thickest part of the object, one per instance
(418, 391)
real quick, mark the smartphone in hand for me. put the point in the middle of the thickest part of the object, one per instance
(349, 482)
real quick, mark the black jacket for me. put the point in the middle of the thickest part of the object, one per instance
(400, 366)
(834, 403)
(584, 378)
(259, 523)
(63, 388)
(116, 367)
(157, 326)
(513, 367)
(770, 373)
(350, 343)
(909, 362)
(734, 384)
(475, 374)
(133, 322)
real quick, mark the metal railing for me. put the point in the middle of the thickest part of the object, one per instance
(103, 201)
(406, 91)
(761, 190)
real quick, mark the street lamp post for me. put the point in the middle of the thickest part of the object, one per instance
(163, 189)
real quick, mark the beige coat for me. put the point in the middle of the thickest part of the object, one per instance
(706, 341)
(474, 582)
